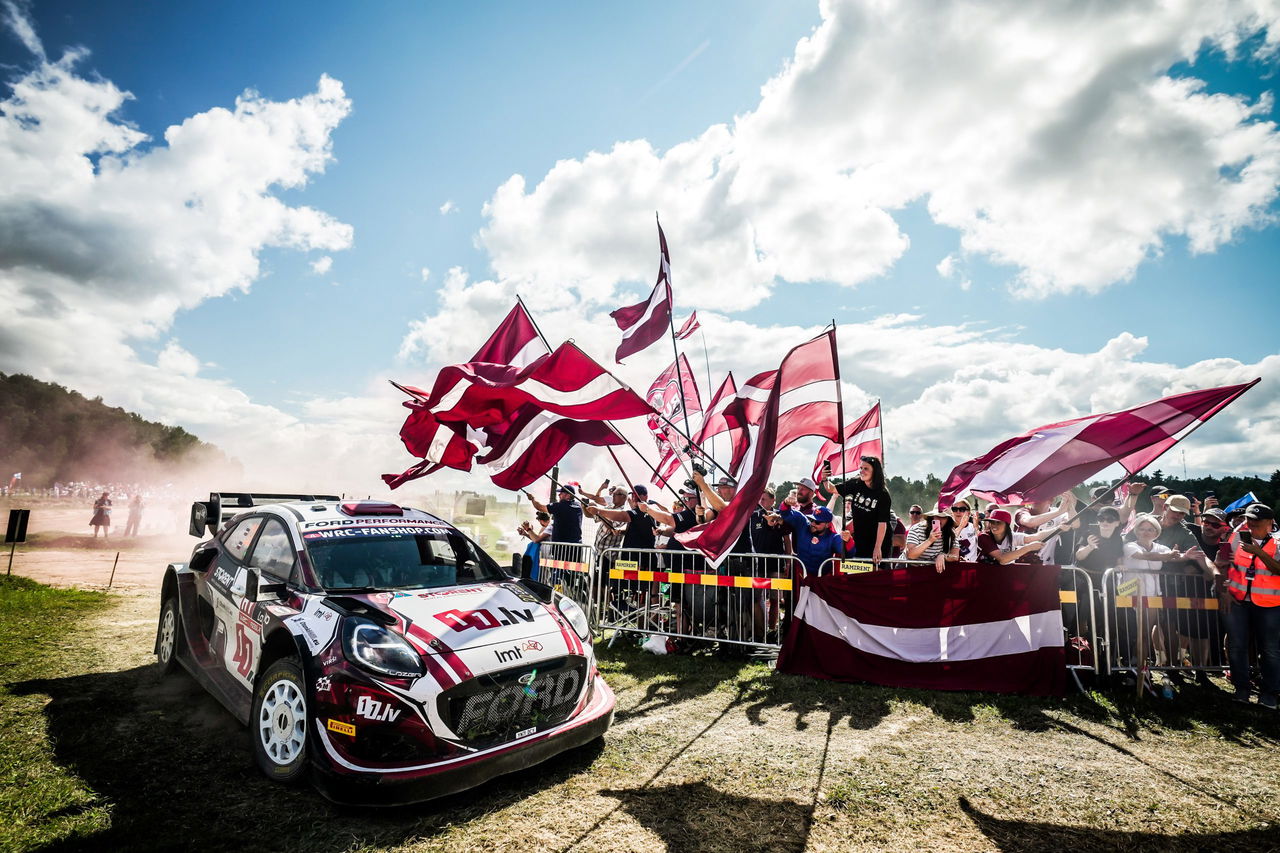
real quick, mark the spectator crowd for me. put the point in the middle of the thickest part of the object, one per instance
(1211, 577)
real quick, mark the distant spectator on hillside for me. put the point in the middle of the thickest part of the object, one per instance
(101, 521)
(135, 516)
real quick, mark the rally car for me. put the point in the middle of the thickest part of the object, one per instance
(375, 648)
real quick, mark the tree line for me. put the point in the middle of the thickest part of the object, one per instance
(52, 434)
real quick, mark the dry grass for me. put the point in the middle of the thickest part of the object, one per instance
(706, 754)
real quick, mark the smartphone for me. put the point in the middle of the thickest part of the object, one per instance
(1210, 495)
(1245, 536)
(937, 526)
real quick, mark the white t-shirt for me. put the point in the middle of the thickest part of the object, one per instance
(967, 540)
(1148, 584)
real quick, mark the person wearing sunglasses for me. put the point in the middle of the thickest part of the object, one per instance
(966, 531)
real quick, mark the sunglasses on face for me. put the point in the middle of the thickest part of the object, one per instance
(959, 509)
(914, 512)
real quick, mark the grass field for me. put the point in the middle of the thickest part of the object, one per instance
(102, 752)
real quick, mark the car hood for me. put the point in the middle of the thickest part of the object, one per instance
(469, 618)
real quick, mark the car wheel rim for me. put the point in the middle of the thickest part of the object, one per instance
(167, 630)
(282, 722)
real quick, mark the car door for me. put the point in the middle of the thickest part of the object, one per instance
(221, 597)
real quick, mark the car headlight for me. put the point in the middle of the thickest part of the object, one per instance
(383, 651)
(576, 617)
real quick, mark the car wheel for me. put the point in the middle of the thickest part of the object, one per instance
(169, 635)
(278, 725)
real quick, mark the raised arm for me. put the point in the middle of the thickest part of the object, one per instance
(534, 502)
(657, 514)
(714, 501)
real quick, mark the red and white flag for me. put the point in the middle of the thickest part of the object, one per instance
(809, 365)
(808, 403)
(973, 627)
(690, 326)
(568, 382)
(535, 441)
(1048, 460)
(668, 400)
(645, 322)
(515, 342)
(862, 438)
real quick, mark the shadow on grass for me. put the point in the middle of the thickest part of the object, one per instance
(696, 816)
(177, 772)
(669, 680)
(1033, 836)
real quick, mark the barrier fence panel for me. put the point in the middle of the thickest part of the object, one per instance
(1164, 621)
(1085, 637)
(676, 594)
(569, 568)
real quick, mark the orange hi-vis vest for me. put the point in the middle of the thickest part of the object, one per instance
(1249, 576)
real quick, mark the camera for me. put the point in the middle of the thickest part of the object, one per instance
(697, 469)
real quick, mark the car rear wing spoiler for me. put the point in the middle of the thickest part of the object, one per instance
(222, 506)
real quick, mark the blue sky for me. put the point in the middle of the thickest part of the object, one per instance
(448, 102)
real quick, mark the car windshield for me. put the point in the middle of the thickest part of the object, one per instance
(399, 556)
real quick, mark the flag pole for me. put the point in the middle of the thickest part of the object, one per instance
(882, 442)
(671, 324)
(706, 358)
(844, 465)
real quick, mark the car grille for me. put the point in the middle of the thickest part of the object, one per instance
(494, 708)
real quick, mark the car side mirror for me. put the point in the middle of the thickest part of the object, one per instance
(200, 511)
(202, 558)
(256, 590)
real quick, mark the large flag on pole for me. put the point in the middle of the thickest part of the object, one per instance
(668, 400)
(535, 441)
(785, 414)
(1048, 460)
(514, 342)
(862, 437)
(568, 382)
(808, 405)
(645, 322)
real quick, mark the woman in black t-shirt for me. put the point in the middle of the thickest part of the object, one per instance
(869, 506)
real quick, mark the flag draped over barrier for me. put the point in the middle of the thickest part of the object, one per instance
(643, 323)
(995, 628)
(863, 437)
(1046, 461)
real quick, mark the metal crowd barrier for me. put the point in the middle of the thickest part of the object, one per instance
(855, 565)
(674, 593)
(1084, 642)
(570, 568)
(1162, 621)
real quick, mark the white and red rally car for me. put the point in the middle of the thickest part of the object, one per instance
(377, 647)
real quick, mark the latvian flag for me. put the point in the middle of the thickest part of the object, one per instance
(993, 628)
(645, 322)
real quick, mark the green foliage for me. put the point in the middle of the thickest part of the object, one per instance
(52, 434)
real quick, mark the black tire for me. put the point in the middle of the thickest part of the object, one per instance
(279, 721)
(169, 636)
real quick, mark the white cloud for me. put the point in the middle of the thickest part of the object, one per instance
(106, 234)
(1049, 135)
(426, 274)
(448, 207)
(322, 265)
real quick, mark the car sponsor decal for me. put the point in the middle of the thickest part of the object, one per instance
(223, 578)
(317, 624)
(521, 593)
(280, 610)
(371, 530)
(458, 590)
(379, 712)
(383, 522)
(341, 728)
(324, 684)
(253, 617)
(508, 655)
(483, 620)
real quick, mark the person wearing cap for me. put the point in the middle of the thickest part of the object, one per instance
(1253, 581)
(1103, 547)
(1000, 543)
(609, 528)
(815, 539)
(806, 492)
(1189, 578)
(565, 512)
(933, 538)
(869, 508)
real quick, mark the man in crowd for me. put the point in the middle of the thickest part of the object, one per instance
(565, 512)
(1253, 581)
(609, 528)
(1185, 579)
(806, 490)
